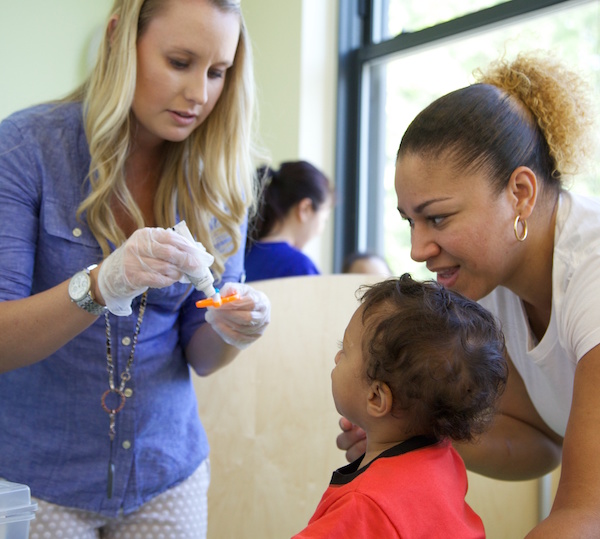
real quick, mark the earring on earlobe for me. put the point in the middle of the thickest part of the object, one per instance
(516, 228)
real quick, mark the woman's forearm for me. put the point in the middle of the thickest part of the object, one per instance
(511, 450)
(575, 513)
(207, 352)
(33, 328)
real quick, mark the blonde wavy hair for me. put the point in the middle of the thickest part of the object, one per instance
(558, 98)
(210, 174)
(530, 112)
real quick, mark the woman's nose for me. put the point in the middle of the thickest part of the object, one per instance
(197, 89)
(337, 357)
(423, 245)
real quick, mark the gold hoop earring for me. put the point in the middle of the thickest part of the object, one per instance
(516, 228)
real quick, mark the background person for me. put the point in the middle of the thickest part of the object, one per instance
(366, 262)
(480, 180)
(419, 366)
(295, 203)
(99, 413)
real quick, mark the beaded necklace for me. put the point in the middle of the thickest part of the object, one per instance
(119, 391)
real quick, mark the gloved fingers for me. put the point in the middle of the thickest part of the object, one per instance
(166, 245)
(232, 335)
(153, 272)
(193, 259)
(197, 253)
(249, 298)
(252, 308)
(157, 257)
(244, 320)
(196, 266)
(242, 304)
(114, 287)
(182, 230)
(151, 257)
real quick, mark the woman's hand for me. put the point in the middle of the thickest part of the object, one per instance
(150, 258)
(353, 440)
(240, 322)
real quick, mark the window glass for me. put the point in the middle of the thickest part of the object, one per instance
(414, 80)
(404, 16)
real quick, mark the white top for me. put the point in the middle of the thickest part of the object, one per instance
(548, 367)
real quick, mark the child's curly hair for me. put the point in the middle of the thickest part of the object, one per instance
(441, 354)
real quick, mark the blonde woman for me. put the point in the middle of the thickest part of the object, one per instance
(98, 321)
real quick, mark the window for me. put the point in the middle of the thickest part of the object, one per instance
(396, 56)
(411, 16)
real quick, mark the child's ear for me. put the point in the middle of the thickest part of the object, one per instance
(379, 400)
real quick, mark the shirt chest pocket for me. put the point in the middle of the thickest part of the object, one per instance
(65, 243)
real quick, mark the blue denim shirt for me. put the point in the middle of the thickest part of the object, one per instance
(53, 430)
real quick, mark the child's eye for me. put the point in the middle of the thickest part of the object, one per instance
(437, 219)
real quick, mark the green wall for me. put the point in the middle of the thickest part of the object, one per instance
(43, 48)
(275, 31)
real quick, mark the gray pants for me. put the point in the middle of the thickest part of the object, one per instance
(178, 513)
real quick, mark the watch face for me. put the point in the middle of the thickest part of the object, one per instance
(79, 286)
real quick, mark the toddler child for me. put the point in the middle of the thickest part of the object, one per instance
(420, 366)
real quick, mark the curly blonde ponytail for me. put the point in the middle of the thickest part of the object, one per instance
(558, 98)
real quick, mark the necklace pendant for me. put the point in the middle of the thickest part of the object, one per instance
(110, 475)
(109, 482)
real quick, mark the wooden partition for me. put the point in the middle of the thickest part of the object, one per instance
(272, 424)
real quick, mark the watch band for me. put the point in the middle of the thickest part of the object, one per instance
(88, 303)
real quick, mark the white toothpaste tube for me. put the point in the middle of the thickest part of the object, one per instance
(204, 283)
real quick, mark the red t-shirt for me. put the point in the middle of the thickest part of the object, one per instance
(415, 489)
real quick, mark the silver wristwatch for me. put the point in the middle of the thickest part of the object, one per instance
(80, 292)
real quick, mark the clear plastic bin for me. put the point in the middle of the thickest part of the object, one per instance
(16, 510)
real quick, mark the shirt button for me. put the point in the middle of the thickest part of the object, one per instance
(126, 444)
(128, 392)
(77, 232)
(126, 341)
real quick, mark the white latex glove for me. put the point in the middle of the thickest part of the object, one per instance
(150, 258)
(240, 322)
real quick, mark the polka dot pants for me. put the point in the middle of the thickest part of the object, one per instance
(178, 513)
